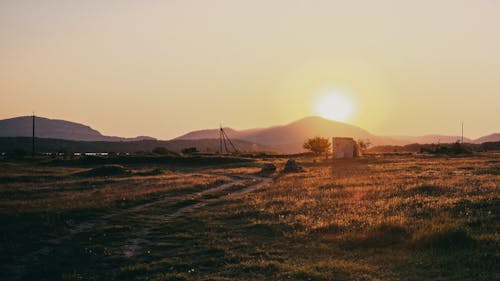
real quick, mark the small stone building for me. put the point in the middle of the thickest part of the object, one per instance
(345, 148)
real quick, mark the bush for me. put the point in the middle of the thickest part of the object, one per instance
(189, 150)
(384, 234)
(160, 150)
(448, 238)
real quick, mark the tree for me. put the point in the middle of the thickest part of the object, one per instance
(318, 145)
(189, 150)
(364, 144)
(160, 150)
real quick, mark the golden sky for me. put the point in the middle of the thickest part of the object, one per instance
(162, 68)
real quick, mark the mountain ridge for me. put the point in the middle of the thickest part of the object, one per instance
(286, 138)
(56, 129)
(314, 125)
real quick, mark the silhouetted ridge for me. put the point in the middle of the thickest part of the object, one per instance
(55, 129)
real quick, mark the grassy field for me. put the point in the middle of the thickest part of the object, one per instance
(409, 217)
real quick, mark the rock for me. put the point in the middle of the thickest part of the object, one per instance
(268, 168)
(292, 166)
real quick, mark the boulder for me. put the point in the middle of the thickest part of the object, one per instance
(292, 166)
(104, 171)
(268, 168)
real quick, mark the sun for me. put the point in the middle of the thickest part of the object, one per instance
(335, 105)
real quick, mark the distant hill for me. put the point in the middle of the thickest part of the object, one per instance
(489, 138)
(55, 129)
(287, 138)
(208, 134)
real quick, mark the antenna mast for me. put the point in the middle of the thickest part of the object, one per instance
(223, 138)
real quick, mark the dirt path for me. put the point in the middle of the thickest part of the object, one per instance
(133, 245)
(263, 182)
(139, 208)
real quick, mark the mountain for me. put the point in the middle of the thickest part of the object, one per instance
(208, 134)
(287, 138)
(489, 138)
(55, 129)
(60, 135)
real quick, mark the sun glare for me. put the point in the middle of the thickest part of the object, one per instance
(334, 106)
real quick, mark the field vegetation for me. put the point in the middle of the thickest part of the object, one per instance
(380, 217)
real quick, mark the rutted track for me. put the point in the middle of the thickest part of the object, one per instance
(189, 208)
(132, 245)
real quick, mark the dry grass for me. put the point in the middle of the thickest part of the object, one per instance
(34, 210)
(66, 193)
(357, 195)
(376, 218)
(399, 205)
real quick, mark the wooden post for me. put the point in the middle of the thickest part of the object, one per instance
(33, 137)
(220, 139)
(462, 132)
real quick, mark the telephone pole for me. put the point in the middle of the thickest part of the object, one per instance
(33, 136)
(462, 132)
(220, 139)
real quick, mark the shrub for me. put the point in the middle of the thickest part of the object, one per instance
(447, 238)
(160, 150)
(189, 150)
(384, 234)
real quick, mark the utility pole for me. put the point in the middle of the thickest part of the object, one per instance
(223, 138)
(462, 132)
(33, 136)
(230, 142)
(220, 138)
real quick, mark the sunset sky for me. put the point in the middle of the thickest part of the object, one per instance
(162, 68)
